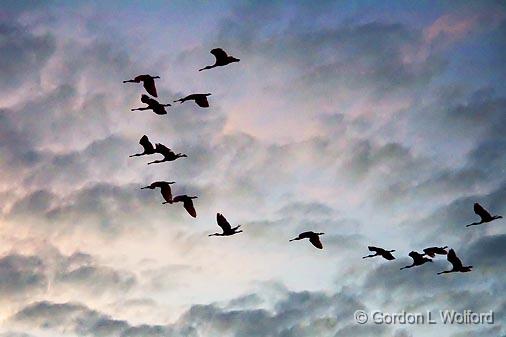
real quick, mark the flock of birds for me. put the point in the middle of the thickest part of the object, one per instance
(223, 59)
(431, 252)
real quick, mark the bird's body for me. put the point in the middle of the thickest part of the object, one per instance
(164, 189)
(148, 82)
(432, 251)
(168, 154)
(147, 145)
(386, 254)
(313, 238)
(153, 104)
(222, 59)
(200, 99)
(225, 226)
(418, 259)
(457, 266)
(187, 203)
(484, 215)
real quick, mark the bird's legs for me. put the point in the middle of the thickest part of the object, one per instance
(140, 109)
(157, 161)
(208, 67)
(365, 257)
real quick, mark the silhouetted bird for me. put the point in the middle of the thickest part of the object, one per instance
(313, 238)
(484, 215)
(457, 266)
(164, 189)
(148, 81)
(168, 154)
(200, 99)
(222, 59)
(153, 104)
(225, 226)
(148, 147)
(432, 251)
(418, 259)
(387, 254)
(187, 203)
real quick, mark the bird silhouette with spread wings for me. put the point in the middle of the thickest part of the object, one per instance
(484, 215)
(227, 229)
(148, 81)
(457, 266)
(222, 59)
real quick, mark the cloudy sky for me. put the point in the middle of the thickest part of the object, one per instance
(378, 123)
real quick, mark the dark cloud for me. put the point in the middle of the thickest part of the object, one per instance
(23, 55)
(22, 276)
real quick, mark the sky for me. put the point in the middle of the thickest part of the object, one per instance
(377, 123)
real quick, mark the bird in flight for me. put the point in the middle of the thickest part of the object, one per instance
(225, 226)
(432, 251)
(153, 104)
(484, 215)
(418, 259)
(168, 154)
(148, 147)
(222, 59)
(164, 189)
(387, 254)
(200, 99)
(457, 266)
(313, 238)
(187, 203)
(148, 81)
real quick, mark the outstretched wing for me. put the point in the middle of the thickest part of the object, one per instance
(315, 240)
(375, 249)
(454, 260)
(146, 144)
(149, 85)
(188, 206)
(223, 223)
(430, 252)
(202, 101)
(482, 212)
(414, 255)
(160, 148)
(388, 256)
(166, 192)
(219, 53)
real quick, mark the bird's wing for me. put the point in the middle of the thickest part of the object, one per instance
(219, 53)
(149, 85)
(429, 251)
(178, 198)
(160, 148)
(188, 206)
(482, 212)
(202, 102)
(315, 240)
(146, 144)
(223, 223)
(453, 259)
(374, 249)
(414, 255)
(167, 193)
(388, 256)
